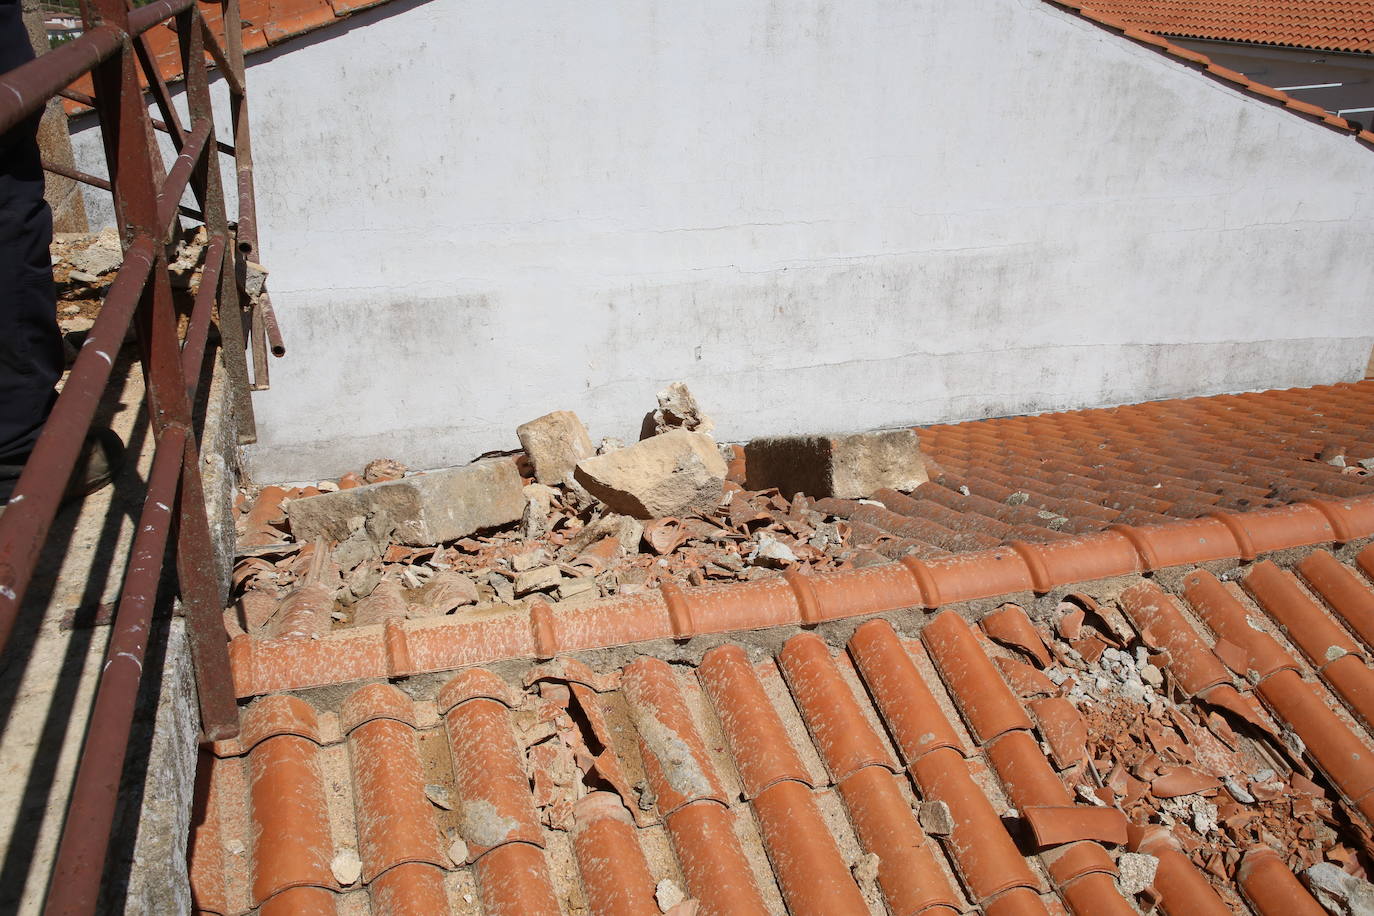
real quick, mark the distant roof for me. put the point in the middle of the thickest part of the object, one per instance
(1327, 25)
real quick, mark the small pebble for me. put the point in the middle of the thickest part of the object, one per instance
(347, 867)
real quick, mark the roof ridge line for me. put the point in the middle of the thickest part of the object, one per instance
(401, 648)
(1205, 64)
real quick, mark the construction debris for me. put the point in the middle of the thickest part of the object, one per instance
(677, 409)
(845, 466)
(672, 474)
(554, 444)
(1125, 734)
(1339, 891)
(98, 256)
(1135, 872)
(556, 524)
(420, 510)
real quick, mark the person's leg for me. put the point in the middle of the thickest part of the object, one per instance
(30, 343)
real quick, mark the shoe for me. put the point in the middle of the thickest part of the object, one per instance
(100, 459)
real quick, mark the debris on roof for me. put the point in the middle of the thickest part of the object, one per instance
(499, 537)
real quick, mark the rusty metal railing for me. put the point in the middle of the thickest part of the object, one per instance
(148, 208)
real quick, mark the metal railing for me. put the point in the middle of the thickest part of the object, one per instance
(148, 209)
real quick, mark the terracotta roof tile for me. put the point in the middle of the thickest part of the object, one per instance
(786, 838)
(713, 865)
(1195, 486)
(489, 777)
(846, 740)
(583, 782)
(1182, 888)
(1272, 889)
(989, 707)
(1331, 25)
(1341, 588)
(293, 845)
(395, 826)
(983, 851)
(609, 858)
(909, 872)
(676, 764)
(758, 742)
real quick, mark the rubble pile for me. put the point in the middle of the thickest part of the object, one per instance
(84, 265)
(562, 521)
(1213, 768)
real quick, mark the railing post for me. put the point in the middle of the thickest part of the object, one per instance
(248, 211)
(195, 551)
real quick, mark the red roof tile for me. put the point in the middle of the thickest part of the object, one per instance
(466, 791)
(1328, 25)
(800, 777)
(1185, 494)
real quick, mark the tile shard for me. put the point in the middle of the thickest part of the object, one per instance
(1010, 626)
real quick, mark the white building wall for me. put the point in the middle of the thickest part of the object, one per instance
(819, 215)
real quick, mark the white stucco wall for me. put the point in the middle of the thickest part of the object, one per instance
(820, 215)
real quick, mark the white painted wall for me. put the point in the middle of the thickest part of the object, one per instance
(819, 215)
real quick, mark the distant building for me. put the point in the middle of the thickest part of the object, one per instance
(62, 27)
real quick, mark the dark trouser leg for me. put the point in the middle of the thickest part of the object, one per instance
(30, 343)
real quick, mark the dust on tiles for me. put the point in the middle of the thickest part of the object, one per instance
(561, 521)
(1220, 779)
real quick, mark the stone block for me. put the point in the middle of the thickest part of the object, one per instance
(676, 473)
(554, 444)
(421, 510)
(849, 466)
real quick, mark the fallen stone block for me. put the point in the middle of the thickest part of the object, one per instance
(554, 444)
(422, 510)
(676, 473)
(536, 580)
(569, 589)
(846, 466)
